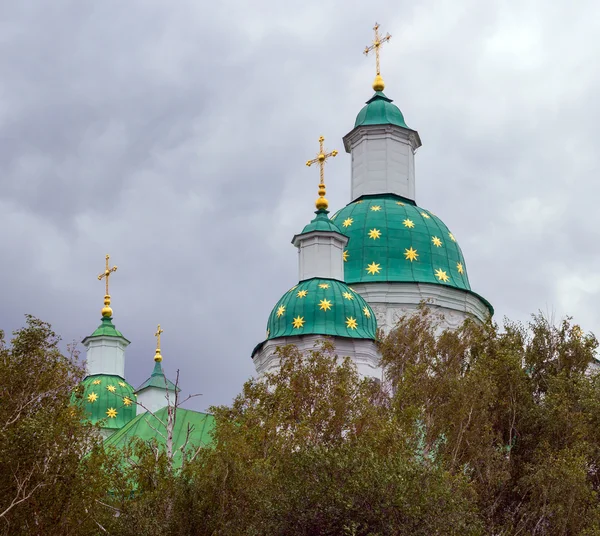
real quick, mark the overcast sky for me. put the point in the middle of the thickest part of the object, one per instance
(173, 135)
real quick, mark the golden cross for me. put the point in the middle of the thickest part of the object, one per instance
(157, 355)
(157, 335)
(106, 273)
(377, 42)
(321, 158)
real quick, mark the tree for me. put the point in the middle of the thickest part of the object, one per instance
(515, 410)
(42, 437)
(314, 449)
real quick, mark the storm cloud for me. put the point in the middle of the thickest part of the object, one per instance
(173, 136)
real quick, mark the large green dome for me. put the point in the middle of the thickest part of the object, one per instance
(392, 239)
(109, 399)
(380, 111)
(322, 307)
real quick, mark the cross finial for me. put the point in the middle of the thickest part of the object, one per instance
(106, 310)
(321, 203)
(157, 355)
(378, 84)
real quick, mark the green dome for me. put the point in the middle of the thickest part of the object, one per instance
(380, 111)
(321, 223)
(392, 239)
(322, 307)
(107, 329)
(109, 399)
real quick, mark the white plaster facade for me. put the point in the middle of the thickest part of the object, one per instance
(391, 301)
(105, 355)
(320, 254)
(383, 160)
(154, 398)
(363, 352)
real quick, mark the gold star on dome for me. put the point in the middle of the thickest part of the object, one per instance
(302, 293)
(111, 412)
(111, 388)
(374, 234)
(408, 223)
(127, 401)
(411, 254)
(399, 203)
(348, 296)
(366, 312)
(122, 384)
(348, 222)
(92, 397)
(96, 382)
(441, 275)
(293, 288)
(268, 332)
(324, 305)
(359, 202)
(460, 268)
(345, 255)
(375, 208)
(452, 237)
(280, 311)
(436, 241)
(373, 268)
(425, 215)
(298, 322)
(351, 323)
(323, 285)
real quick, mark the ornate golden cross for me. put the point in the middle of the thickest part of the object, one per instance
(321, 158)
(377, 42)
(157, 355)
(157, 335)
(106, 273)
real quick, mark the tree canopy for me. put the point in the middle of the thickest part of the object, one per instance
(480, 430)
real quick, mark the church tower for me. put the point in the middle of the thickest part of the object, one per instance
(157, 391)
(321, 304)
(107, 398)
(398, 254)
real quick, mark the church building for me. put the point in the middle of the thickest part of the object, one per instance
(375, 260)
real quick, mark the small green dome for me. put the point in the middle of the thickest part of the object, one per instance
(106, 329)
(322, 307)
(321, 222)
(109, 399)
(392, 239)
(380, 111)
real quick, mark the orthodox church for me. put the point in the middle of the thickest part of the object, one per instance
(375, 260)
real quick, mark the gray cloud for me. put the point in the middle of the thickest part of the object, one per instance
(174, 136)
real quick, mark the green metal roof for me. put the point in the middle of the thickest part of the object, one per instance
(107, 399)
(158, 379)
(392, 239)
(323, 307)
(106, 329)
(147, 426)
(321, 222)
(380, 111)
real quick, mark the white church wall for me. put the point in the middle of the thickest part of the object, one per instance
(391, 301)
(320, 255)
(153, 398)
(106, 355)
(382, 161)
(363, 353)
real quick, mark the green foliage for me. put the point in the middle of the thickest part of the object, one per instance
(516, 411)
(312, 449)
(42, 438)
(476, 431)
